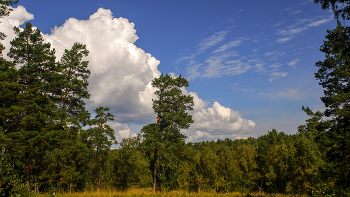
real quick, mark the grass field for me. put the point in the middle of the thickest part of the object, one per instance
(148, 192)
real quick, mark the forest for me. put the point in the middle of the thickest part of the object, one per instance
(50, 143)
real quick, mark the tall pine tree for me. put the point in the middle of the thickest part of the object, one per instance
(36, 111)
(170, 108)
(73, 86)
(334, 76)
(71, 90)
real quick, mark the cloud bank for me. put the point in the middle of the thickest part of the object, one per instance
(122, 74)
(216, 122)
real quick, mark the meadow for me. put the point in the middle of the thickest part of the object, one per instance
(148, 192)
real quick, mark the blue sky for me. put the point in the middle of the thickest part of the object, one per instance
(250, 64)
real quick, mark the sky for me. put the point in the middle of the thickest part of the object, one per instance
(250, 64)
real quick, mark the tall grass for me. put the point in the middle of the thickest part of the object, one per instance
(148, 192)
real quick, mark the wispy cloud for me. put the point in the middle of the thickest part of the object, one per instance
(222, 61)
(291, 31)
(292, 63)
(295, 11)
(274, 53)
(237, 87)
(185, 58)
(203, 45)
(270, 53)
(283, 40)
(259, 65)
(290, 94)
(275, 65)
(303, 25)
(220, 65)
(248, 90)
(279, 74)
(228, 46)
(320, 22)
(278, 24)
(193, 70)
(306, 2)
(212, 40)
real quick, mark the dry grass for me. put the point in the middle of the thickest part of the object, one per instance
(148, 192)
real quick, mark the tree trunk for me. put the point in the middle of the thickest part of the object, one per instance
(155, 170)
(27, 172)
(155, 162)
(98, 177)
(58, 177)
(98, 180)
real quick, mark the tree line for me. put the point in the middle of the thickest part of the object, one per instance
(50, 143)
(42, 115)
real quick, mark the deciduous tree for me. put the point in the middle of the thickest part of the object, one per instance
(130, 166)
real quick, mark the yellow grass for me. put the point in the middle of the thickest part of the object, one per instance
(148, 192)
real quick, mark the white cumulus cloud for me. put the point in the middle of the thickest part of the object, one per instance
(216, 122)
(121, 74)
(19, 15)
(120, 70)
(16, 18)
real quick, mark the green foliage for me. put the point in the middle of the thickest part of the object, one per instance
(4, 7)
(278, 160)
(35, 111)
(222, 166)
(246, 155)
(167, 170)
(207, 170)
(100, 138)
(334, 72)
(339, 7)
(265, 142)
(187, 179)
(316, 126)
(101, 135)
(11, 184)
(228, 169)
(306, 165)
(5, 11)
(45, 147)
(42, 112)
(130, 167)
(73, 86)
(333, 75)
(8, 98)
(170, 108)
